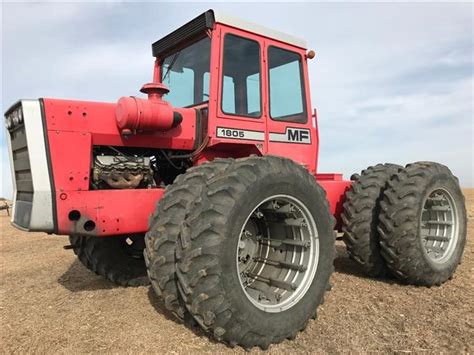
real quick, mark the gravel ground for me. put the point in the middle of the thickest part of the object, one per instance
(50, 303)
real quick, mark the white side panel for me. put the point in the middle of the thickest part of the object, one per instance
(243, 134)
(229, 20)
(42, 210)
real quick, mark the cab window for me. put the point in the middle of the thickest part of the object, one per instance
(241, 79)
(186, 73)
(286, 85)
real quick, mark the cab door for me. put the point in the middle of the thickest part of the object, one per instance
(239, 109)
(291, 129)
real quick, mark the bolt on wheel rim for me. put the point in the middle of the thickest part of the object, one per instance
(439, 226)
(277, 253)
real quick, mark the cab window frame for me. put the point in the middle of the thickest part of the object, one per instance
(297, 118)
(260, 76)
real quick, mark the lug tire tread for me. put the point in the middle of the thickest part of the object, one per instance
(165, 226)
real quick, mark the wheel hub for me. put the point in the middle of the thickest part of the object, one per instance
(248, 246)
(277, 253)
(439, 226)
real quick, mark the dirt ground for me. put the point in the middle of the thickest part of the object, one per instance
(50, 303)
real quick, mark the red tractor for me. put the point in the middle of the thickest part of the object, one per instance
(209, 188)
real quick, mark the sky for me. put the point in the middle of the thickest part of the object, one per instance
(392, 82)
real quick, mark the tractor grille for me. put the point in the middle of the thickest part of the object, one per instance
(21, 164)
(32, 203)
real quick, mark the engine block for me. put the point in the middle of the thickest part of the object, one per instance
(122, 172)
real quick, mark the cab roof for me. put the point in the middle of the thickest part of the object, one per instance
(198, 25)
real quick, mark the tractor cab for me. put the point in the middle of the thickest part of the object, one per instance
(251, 81)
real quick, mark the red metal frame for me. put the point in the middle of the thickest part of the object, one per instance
(74, 127)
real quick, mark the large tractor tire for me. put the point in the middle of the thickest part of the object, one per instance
(256, 252)
(164, 228)
(118, 259)
(360, 217)
(423, 224)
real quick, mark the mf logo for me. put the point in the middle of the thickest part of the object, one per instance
(297, 135)
(292, 135)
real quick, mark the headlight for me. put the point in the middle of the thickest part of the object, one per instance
(14, 119)
(9, 122)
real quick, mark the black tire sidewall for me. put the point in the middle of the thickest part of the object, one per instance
(313, 198)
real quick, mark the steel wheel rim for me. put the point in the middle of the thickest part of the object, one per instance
(439, 224)
(275, 275)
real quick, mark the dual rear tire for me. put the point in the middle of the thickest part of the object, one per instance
(254, 253)
(408, 222)
(360, 217)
